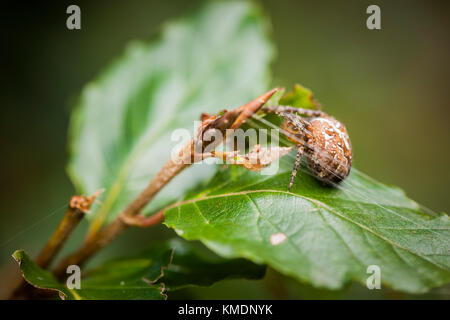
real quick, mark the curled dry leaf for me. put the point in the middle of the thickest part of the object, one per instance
(83, 203)
(232, 119)
(257, 159)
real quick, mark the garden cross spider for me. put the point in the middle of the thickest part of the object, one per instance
(321, 138)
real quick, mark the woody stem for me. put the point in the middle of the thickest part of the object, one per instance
(71, 219)
(230, 119)
(102, 238)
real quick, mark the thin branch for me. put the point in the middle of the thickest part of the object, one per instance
(141, 221)
(189, 154)
(77, 208)
(117, 226)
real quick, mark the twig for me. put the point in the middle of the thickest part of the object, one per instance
(117, 226)
(192, 152)
(141, 221)
(77, 208)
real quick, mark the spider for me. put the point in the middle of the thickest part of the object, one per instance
(321, 138)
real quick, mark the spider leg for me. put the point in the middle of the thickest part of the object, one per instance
(288, 109)
(298, 158)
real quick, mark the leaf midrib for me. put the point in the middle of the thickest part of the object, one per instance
(230, 181)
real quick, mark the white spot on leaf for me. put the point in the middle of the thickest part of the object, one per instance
(277, 238)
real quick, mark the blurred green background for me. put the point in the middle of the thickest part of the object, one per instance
(388, 86)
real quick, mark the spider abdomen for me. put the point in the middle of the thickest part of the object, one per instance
(328, 149)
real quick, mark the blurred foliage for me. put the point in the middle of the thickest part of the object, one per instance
(121, 131)
(151, 274)
(101, 287)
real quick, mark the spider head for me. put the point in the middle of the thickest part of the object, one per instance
(293, 127)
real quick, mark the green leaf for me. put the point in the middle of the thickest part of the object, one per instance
(100, 287)
(299, 97)
(182, 264)
(39, 278)
(321, 235)
(194, 265)
(120, 133)
(166, 266)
